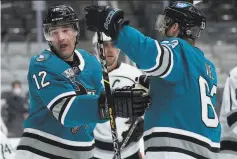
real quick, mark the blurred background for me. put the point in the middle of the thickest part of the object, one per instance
(21, 38)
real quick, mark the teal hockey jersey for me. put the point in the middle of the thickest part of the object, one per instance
(63, 106)
(182, 117)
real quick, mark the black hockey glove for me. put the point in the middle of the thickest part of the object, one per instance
(105, 19)
(127, 102)
(137, 133)
(143, 80)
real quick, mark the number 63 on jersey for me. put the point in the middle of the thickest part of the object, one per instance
(206, 103)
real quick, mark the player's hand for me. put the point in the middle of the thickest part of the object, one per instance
(130, 102)
(127, 102)
(104, 19)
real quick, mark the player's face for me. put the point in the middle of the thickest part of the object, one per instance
(63, 39)
(111, 53)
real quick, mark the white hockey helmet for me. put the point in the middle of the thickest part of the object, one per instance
(95, 40)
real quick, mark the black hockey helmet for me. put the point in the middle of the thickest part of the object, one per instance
(189, 17)
(60, 15)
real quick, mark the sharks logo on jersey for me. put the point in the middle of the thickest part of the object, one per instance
(80, 89)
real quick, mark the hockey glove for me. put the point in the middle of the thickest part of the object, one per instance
(137, 133)
(127, 102)
(104, 19)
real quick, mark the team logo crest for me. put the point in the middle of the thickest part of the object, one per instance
(79, 87)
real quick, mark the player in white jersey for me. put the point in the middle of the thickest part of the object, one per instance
(228, 118)
(6, 151)
(120, 75)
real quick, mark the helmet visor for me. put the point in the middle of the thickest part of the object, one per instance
(162, 23)
(56, 32)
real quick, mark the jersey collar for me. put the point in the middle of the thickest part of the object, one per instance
(81, 59)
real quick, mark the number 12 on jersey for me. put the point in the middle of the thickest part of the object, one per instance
(42, 83)
(206, 96)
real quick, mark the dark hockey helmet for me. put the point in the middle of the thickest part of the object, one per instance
(60, 15)
(189, 17)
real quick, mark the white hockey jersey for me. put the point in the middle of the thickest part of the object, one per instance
(7, 151)
(122, 76)
(228, 118)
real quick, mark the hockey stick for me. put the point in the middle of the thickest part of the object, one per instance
(130, 131)
(109, 101)
(135, 122)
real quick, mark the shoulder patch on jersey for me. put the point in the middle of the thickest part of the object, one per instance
(69, 73)
(43, 57)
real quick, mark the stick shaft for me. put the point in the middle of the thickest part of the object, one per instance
(130, 131)
(109, 101)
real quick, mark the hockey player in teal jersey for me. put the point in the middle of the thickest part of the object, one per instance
(181, 121)
(66, 95)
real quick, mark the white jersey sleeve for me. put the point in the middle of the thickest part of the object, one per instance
(228, 115)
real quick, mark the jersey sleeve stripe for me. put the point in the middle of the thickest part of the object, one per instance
(65, 111)
(63, 107)
(160, 139)
(160, 53)
(170, 65)
(39, 152)
(183, 132)
(56, 138)
(159, 64)
(172, 149)
(169, 138)
(232, 118)
(59, 101)
(57, 109)
(166, 61)
(58, 97)
(227, 145)
(54, 146)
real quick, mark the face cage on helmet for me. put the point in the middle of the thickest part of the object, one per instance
(46, 29)
(193, 32)
(163, 23)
